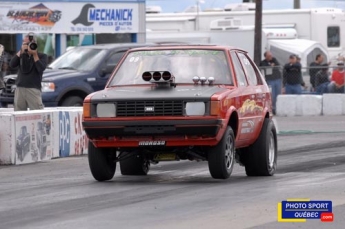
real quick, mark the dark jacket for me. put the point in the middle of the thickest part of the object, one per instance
(29, 72)
(321, 77)
(266, 66)
(292, 74)
(312, 72)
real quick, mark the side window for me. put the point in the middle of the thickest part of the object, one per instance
(250, 72)
(240, 76)
(115, 58)
(333, 36)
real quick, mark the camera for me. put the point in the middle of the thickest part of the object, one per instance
(32, 44)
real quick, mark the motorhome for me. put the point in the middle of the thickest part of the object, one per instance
(322, 25)
(282, 42)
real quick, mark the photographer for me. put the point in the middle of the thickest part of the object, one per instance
(28, 84)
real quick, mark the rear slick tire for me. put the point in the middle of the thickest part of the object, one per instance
(221, 157)
(101, 162)
(260, 159)
(136, 166)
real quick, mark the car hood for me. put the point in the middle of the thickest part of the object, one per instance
(52, 74)
(180, 92)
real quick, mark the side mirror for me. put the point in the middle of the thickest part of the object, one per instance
(108, 69)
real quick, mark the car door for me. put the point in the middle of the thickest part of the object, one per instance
(254, 101)
(107, 68)
(240, 98)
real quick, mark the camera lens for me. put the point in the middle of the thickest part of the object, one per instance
(33, 46)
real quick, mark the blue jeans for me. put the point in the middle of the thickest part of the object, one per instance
(276, 86)
(322, 88)
(294, 89)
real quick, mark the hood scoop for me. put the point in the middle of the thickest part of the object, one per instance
(159, 78)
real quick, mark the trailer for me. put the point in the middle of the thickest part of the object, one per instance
(322, 25)
(282, 42)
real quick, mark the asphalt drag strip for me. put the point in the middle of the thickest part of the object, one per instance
(62, 194)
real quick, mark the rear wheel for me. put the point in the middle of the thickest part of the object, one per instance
(73, 101)
(221, 157)
(136, 165)
(260, 159)
(101, 162)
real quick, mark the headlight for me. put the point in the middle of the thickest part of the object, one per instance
(195, 108)
(106, 110)
(48, 87)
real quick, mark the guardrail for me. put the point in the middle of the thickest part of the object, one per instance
(32, 136)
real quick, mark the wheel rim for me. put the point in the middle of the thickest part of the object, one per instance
(271, 152)
(229, 155)
(146, 166)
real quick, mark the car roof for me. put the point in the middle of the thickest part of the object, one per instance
(115, 45)
(186, 46)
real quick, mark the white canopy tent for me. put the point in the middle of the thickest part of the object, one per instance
(305, 49)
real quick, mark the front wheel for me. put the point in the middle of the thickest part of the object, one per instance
(136, 165)
(101, 162)
(260, 159)
(221, 157)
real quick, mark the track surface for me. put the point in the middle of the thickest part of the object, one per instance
(62, 194)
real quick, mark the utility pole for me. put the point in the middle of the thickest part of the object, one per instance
(258, 31)
(297, 4)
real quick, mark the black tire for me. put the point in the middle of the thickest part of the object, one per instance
(221, 157)
(101, 162)
(136, 166)
(257, 158)
(73, 101)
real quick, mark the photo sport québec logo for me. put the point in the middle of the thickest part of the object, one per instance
(301, 210)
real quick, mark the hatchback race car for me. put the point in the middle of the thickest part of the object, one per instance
(182, 102)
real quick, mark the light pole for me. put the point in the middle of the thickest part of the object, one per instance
(297, 4)
(198, 2)
(258, 31)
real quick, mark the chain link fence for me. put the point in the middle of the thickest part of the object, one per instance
(294, 79)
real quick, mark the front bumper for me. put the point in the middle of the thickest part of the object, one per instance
(172, 132)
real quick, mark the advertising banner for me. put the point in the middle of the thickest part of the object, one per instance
(33, 137)
(7, 141)
(72, 139)
(68, 17)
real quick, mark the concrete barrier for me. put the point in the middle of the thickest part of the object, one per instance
(299, 105)
(334, 104)
(32, 136)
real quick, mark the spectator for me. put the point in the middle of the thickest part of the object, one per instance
(337, 79)
(31, 66)
(314, 68)
(271, 68)
(292, 77)
(322, 80)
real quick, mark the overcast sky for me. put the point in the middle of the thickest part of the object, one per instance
(169, 6)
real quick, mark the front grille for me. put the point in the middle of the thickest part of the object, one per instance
(8, 88)
(149, 108)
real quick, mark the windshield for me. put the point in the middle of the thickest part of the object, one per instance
(80, 59)
(182, 64)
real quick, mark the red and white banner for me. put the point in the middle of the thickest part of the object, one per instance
(69, 17)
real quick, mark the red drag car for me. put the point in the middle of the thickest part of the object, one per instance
(182, 102)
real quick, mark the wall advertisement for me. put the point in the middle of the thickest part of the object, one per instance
(33, 137)
(68, 17)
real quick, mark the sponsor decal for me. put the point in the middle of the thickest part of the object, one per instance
(299, 210)
(149, 109)
(247, 127)
(250, 107)
(65, 133)
(152, 143)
